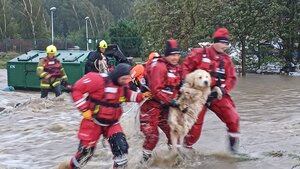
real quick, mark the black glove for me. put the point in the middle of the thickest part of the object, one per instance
(180, 85)
(173, 103)
(132, 86)
(67, 85)
(64, 83)
(212, 96)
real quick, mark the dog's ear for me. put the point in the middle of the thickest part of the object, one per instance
(190, 79)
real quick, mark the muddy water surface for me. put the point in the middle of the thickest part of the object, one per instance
(39, 134)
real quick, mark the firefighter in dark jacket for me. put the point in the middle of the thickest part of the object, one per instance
(96, 60)
(51, 73)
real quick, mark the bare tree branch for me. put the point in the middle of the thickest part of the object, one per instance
(45, 22)
(76, 15)
(4, 17)
(30, 17)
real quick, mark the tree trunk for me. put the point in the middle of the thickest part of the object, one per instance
(298, 49)
(3, 30)
(243, 57)
(45, 22)
(96, 21)
(29, 14)
(76, 15)
(4, 18)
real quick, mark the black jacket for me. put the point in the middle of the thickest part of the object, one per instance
(93, 58)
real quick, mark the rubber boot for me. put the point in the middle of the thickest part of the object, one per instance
(146, 156)
(233, 144)
(116, 166)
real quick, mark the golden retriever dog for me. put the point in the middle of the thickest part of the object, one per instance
(194, 94)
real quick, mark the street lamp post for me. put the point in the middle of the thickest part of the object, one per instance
(86, 32)
(52, 9)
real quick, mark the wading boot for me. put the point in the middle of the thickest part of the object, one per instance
(116, 166)
(146, 156)
(233, 144)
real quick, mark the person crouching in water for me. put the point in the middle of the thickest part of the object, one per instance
(101, 111)
(137, 73)
(51, 73)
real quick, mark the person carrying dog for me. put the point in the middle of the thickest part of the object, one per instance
(101, 111)
(215, 60)
(163, 78)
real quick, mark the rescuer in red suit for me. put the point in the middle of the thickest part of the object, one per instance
(98, 97)
(214, 60)
(163, 79)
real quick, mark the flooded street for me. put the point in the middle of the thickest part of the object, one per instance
(39, 134)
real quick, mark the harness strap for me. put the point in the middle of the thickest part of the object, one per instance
(125, 91)
(170, 88)
(217, 75)
(104, 122)
(221, 66)
(101, 103)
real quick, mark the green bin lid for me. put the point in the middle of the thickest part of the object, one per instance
(67, 56)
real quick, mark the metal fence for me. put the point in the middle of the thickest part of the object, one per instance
(24, 45)
(130, 46)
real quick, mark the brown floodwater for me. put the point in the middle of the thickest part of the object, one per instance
(39, 134)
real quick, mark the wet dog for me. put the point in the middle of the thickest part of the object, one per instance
(194, 94)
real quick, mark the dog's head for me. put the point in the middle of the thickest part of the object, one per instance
(198, 79)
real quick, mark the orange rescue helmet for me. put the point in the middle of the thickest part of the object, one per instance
(153, 55)
(137, 72)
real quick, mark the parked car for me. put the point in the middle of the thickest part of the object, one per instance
(269, 69)
(116, 56)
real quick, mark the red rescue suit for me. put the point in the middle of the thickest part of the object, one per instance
(104, 98)
(223, 75)
(163, 80)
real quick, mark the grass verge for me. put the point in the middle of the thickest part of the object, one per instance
(6, 56)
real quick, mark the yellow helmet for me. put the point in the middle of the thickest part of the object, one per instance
(102, 44)
(51, 49)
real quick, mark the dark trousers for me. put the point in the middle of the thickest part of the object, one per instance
(56, 90)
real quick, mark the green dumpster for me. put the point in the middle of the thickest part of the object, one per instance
(21, 71)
